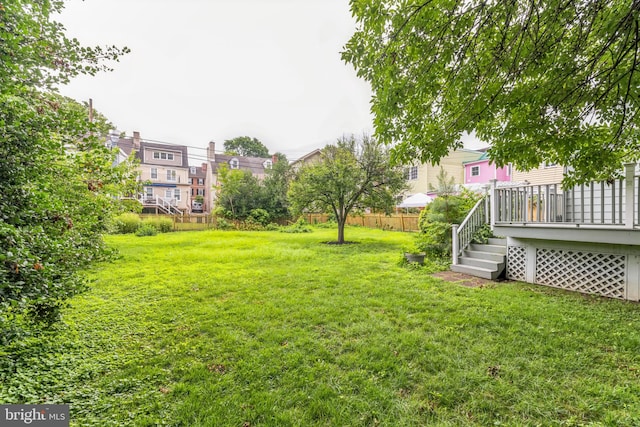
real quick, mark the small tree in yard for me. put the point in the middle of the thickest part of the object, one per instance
(351, 175)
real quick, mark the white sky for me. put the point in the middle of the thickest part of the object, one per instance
(202, 70)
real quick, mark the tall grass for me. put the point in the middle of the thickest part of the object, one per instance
(272, 329)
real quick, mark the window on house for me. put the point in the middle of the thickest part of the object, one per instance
(548, 164)
(200, 181)
(193, 169)
(176, 193)
(268, 164)
(200, 191)
(234, 163)
(411, 173)
(154, 173)
(171, 175)
(148, 192)
(162, 155)
(475, 170)
(192, 192)
(168, 193)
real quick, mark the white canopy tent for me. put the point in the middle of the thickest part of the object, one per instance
(419, 200)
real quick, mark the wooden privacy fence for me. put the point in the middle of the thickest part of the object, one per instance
(186, 222)
(398, 222)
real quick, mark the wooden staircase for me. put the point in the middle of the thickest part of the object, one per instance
(483, 260)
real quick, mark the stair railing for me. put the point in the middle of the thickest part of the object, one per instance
(463, 234)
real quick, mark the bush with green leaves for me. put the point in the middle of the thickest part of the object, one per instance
(126, 223)
(436, 221)
(223, 224)
(162, 224)
(146, 230)
(300, 226)
(259, 216)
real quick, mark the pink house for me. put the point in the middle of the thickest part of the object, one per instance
(481, 171)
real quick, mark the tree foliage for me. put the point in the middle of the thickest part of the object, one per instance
(246, 146)
(437, 217)
(351, 175)
(541, 80)
(240, 193)
(57, 180)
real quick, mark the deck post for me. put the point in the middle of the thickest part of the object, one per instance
(629, 172)
(454, 244)
(493, 199)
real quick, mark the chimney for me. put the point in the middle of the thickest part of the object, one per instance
(274, 159)
(211, 151)
(204, 167)
(136, 140)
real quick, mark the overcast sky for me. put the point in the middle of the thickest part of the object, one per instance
(202, 70)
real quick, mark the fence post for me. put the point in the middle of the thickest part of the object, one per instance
(454, 243)
(629, 172)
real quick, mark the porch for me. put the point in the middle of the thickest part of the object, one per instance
(585, 239)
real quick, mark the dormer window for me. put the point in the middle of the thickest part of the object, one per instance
(162, 155)
(193, 170)
(234, 163)
(268, 164)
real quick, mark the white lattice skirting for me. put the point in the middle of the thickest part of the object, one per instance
(590, 273)
(581, 269)
(517, 265)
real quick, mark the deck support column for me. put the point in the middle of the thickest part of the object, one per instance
(629, 172)
(454, 244)
(493, 199)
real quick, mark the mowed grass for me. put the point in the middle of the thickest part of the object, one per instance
(271, 329)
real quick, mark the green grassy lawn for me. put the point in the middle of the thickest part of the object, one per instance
(272, 329)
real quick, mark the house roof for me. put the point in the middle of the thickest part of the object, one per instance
(308, 156)
(200, 173)
(253, 164)
(125, 144)
(483, 158)
(163, 147)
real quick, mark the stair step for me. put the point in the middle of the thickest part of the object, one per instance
(499, 241)
(482, 263)
(489, 256)
(475, 271)
(498, 249)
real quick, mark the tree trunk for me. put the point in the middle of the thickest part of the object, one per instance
(341, 223)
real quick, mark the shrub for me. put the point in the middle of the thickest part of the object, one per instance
(223, 224)
(436, 219)
(300, 226)
(161, 224)
(259, 216)
(146, 230)
(126, 223)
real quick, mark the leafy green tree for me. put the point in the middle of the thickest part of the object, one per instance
(239, 193)
(351, 175)
(57, 181)
(446, 184)
(541, 80)
(246, 146)
(275, 188)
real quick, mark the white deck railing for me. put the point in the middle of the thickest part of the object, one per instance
(613, 203)
(463, 234)
(168, 205)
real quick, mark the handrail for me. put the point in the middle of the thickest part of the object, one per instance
(160, 202)
(463, 234)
